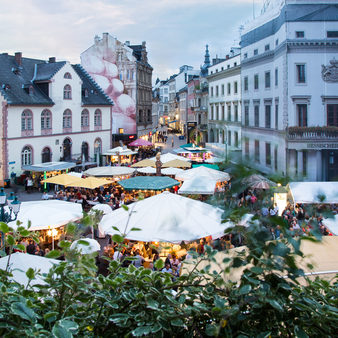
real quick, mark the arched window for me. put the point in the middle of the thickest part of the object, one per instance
(46, 155)
(98, 118)
(67, 92)
(67, 119)
(26, 120)
(46, 119)
(85, 118)
(67, 76)
(26, 155)
(67, 149)
(85, 151)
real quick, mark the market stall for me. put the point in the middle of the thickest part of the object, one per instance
(218, 176)
(201, 185)
(165, 217)
(119, 155)
(109, 171)
(140, 143)
(169, 157)
(148, 183)
(313, 192)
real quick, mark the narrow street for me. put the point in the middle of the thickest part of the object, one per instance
(172, 143)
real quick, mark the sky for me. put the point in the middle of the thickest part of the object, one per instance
(176, 31)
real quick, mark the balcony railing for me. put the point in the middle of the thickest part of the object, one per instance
(312, 133)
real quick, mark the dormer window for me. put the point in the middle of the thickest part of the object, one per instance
(86, 92)
(67, 76)
(30, 90)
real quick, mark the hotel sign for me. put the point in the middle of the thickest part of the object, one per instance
(322, 145)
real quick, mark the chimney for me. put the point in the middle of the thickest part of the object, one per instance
(127, 43)
(18, 58)
(105, 38)
(227, 57)
(52, 59)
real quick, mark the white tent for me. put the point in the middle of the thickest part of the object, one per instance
(123, 151)
(147, 170)
(310, 192)
(332, 224)
(45, 214)
(109, 171)
(214, 160)
(165, 217)
(171, 171)
(93, 246)
(201, 185)
(170, 157)
(105, 208)
(218, 176)
(20, 262)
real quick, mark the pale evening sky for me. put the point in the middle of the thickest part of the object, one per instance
(176, 31)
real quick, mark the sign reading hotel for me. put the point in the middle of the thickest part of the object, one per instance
(113, 67)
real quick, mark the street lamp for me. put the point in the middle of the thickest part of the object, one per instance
(14, 208)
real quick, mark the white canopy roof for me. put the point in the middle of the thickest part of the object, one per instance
(309, 192)
(332, 224)
(212, 174)
(109, 171)
(105, 208)
(165, 217)
(45, 214)
(147, 170)
(199, 185)
(214, 160)
(123, 151)
(171, 171)
(20, 262)
(93, 245)
(169, 157)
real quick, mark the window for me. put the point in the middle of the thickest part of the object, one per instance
(149, 115)
(236, 139)
(245, 55)
(216, 90)
(332, 115)
(300, 73)
(121, 130)
(267, 47)
(276, 157)
(332, 34)
(46, 155)
(46, 119)
(256, 150)
(267, 80)
(268, 154)
(97, 118)
(212, 91)
(229, 112)
(246, 83)
(236, 112)
(246, 115)
(223, 113)
(256, 82)
(267, 116)
(276, 42)
(212, 112)
(276, 116)
(300, 34)
(222, 89)
(255, 51)
(67, 119)
(26, 156)
(67, 92)
(229, 138)
(302, 115)
(235, 87)
(235, 64)
(67, 76)
(229, 89)
(276, 77)
(217, 112)
(246, 148)
(256, 112)
(85, 118)
(26, 120)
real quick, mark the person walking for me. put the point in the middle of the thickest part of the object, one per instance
(172, 142)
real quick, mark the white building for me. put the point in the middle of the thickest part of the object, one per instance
(224, 125)
(51, 111)
(289, 74)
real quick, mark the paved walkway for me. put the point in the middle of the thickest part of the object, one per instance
(173, 142)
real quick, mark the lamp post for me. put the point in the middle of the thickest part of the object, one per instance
(14, 208)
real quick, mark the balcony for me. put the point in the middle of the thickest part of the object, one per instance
(312, 133)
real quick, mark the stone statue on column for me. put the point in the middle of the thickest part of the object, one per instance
(158, 164)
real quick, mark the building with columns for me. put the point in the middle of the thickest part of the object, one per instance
(50, 111)
(224, 125)
(289, 75)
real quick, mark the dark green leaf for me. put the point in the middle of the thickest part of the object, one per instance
(117, 238)
(71, 228)
(23, 311)
(245, 289)
(299, 332)
(64, 244)
(25, 233)
(125, 207)
(10, 240)
(141, 331)
(4, 227)
(159, 264)
(30, 273)
(135, 229)
(275, 304)
(177, 322)
(53, 254)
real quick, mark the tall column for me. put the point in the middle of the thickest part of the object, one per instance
(292, 163)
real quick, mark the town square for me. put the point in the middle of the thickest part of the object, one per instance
(169, 169)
